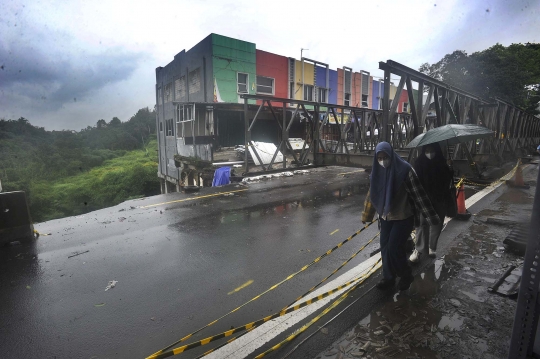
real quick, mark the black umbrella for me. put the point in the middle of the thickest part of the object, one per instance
(453, 134)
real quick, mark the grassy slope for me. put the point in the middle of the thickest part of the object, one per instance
(130, 176)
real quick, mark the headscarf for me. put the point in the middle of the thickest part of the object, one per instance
(434, 174)
(385, 182)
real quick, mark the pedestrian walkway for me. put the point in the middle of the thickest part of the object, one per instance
(448, 312)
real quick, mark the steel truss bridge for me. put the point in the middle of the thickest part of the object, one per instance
(356, 131)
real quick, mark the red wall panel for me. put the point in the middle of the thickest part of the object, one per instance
(403, 98)
(275, 66)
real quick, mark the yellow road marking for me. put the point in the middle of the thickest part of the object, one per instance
(346, 173)
(241, 287)
(194, 198)
(334, 232)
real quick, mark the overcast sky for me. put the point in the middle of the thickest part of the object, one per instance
(67, 64)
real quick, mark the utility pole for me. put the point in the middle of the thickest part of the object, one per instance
(302, 59)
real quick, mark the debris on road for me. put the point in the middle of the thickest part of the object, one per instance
(111, 284)
(78, 254)
(255, 179)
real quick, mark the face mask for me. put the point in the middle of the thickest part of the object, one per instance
(430, 155)
(384, 163)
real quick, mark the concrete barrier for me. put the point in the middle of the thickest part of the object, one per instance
(15, 220)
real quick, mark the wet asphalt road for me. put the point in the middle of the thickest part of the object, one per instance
(177, 265)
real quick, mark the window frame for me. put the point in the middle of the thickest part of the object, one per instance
(273, 87)
(346, 99)
(169, 127)
(238, 83)
(319, 89)
(310, 88)
(168, 92)
(405, 107)
(365, 103)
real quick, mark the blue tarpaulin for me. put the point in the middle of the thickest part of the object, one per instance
(222, 176)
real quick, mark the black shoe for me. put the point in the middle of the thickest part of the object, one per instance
(386, 283)
(405, 282)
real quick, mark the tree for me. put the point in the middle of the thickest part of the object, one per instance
(115, 122)
(511, 73)
(101, 124)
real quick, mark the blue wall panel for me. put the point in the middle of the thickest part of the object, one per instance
(375, 95)
(320, 76)
(332, 97)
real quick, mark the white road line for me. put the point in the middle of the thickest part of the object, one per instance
(250, 342)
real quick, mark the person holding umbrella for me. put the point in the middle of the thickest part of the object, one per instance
(398, 198)
(435, 176)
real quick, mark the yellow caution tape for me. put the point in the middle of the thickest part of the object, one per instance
(300, 297)
(291, 337)
(463, 180)
(254, 324)
(502, 179)
(194, 198)
(334, 272)
(339, 245)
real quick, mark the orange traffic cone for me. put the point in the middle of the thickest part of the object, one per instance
(518, 179)
(462, 212)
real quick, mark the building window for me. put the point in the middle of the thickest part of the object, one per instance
(265, 85)
(347, 100)
(179, 88)
(308, 93)
(194, 81)
(242, 82)
(321, 94)
(405, 107)
(380, 103)
(159, 99)
(364, 101)
(169, 127)
(291, 90)
(168, 92)
(160, 126)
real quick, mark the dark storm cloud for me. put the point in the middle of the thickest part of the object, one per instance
(49, 68)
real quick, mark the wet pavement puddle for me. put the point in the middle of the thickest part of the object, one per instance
(308, 203)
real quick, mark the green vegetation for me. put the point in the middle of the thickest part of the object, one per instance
(68, 173)
(511, 73)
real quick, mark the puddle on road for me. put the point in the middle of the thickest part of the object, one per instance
(453, 322)
(269, 209)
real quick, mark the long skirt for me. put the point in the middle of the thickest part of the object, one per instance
(393, 238)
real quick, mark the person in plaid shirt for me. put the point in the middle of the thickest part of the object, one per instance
(398, 198)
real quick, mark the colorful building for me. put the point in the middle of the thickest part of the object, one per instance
(198, 95)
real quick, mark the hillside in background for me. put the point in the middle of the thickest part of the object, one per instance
(68, 173)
